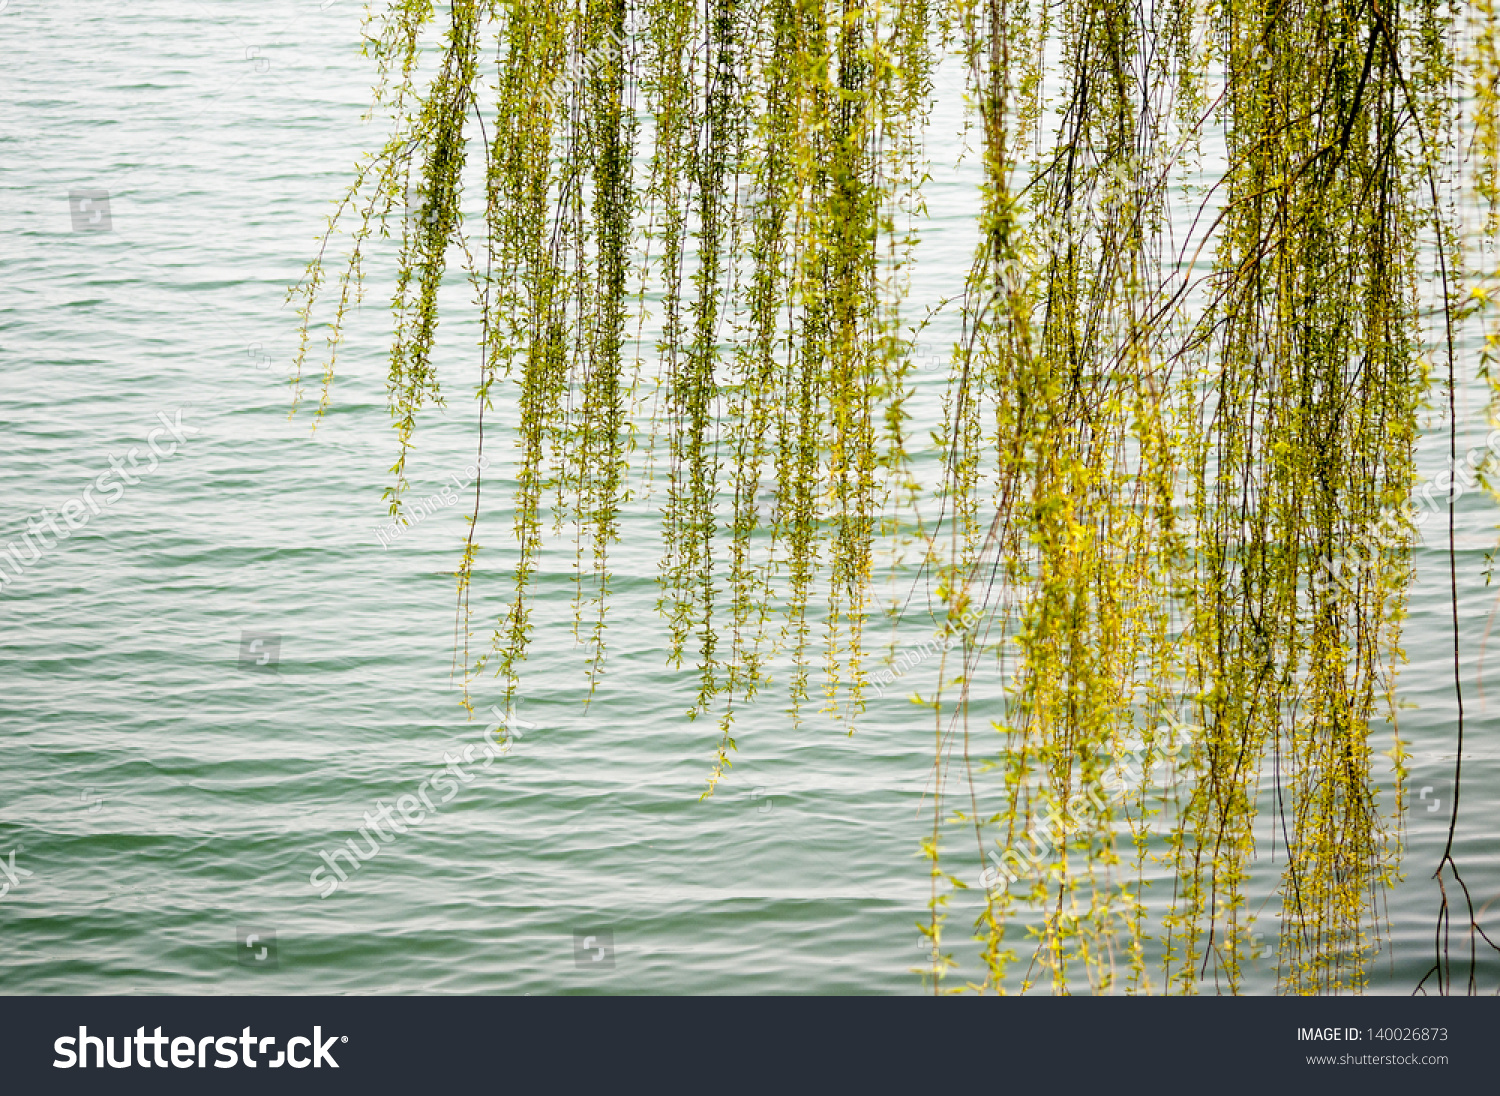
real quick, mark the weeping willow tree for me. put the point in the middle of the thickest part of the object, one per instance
(1165, 504)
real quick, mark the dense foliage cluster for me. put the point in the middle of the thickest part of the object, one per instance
(1175, 464)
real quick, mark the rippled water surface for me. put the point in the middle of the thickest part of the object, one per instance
(219, 675)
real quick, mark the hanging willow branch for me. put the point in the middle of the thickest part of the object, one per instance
(1173, 456)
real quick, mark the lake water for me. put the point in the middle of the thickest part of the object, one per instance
(216, 678)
